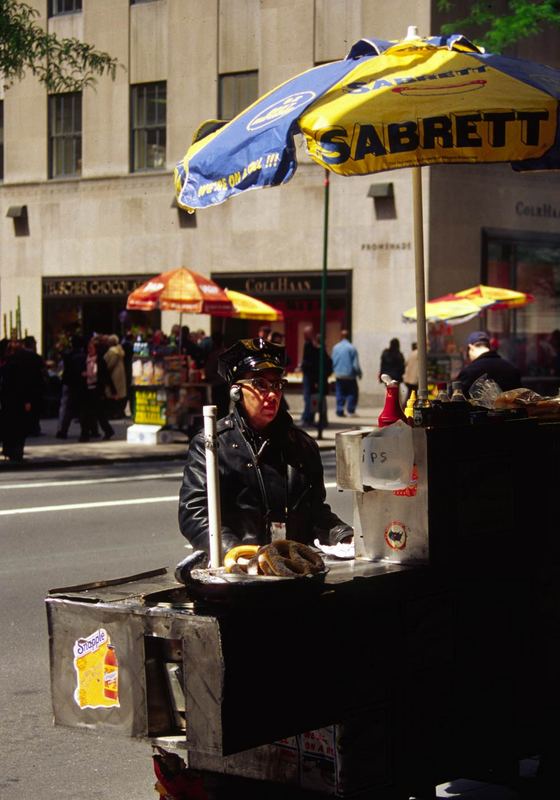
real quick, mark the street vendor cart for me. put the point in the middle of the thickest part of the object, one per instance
(167, 397)
(429, 656)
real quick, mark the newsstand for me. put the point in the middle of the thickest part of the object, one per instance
(429, 656)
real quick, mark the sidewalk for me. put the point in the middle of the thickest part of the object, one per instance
(47, 451)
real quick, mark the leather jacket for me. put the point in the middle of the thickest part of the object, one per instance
(273, 477)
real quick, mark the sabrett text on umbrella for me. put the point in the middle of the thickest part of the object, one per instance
(358, 87)
(493, 129)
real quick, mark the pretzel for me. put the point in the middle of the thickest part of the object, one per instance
(289, 559)
(237, 559)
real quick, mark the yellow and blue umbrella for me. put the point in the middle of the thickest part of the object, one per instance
(459, 307)
(387, 105)
(449, 308)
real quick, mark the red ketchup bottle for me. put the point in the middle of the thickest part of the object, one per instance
(392, 410)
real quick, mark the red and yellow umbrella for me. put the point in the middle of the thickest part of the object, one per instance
(247, 307)
(448, 308)
(493, 298)
(181, 290)
(463, 306)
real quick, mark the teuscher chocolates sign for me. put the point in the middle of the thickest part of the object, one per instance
(102, 286)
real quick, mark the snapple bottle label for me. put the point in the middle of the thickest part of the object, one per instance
(111, 675)
(96, 667)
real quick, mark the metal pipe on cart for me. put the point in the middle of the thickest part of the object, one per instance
(420, 283)
(213, 485)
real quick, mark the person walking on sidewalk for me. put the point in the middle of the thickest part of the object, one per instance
(15, 400)
(309, 367)
(392, 361)
(94, 409)
(73, 386)
(347, 370)
(114, 358)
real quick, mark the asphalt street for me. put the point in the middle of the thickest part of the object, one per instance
(66, 526)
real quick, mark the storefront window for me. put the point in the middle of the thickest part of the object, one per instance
(298, 296)
(84, 306)
(528, 336)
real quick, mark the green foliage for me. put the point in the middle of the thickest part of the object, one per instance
(498, 31)
(62, 65)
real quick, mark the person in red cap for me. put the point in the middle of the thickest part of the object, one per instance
(271, 474)
(485, 361)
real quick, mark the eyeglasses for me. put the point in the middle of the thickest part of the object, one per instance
(264, 385)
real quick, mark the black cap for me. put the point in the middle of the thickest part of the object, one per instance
(250, 355)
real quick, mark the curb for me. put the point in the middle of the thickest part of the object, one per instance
(35, 462)
(30, 463)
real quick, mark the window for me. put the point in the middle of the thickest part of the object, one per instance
(1, 140)
(528, 262)
(58, 7)
(65, 134)
(149, 101)
(138, 2)
(237, 91)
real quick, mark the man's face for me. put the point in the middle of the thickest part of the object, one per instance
(261, 395)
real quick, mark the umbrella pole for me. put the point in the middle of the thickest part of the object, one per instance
(419, 283)
(213, 486)
(322, 351)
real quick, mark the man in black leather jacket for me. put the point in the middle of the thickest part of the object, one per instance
(271, 473)
(484, 361)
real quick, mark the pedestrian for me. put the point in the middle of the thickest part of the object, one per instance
(114, 358)
(264, 332)
(189, 348)
(278, 338)
(309, 367)
(127, 344)
(485, 361)
(94, 409)
(36, 376)
(73, 386)
(271, 475)
(392, 361)
(15, 400)
(410, 376)
(347, 371)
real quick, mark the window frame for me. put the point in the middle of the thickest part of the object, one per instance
(74, 134)
(516, 241)
(135, 129)
(54, 12)
(224, 75)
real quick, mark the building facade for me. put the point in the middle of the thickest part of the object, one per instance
(87, 198)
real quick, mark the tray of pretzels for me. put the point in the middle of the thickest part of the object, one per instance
(284, 568)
